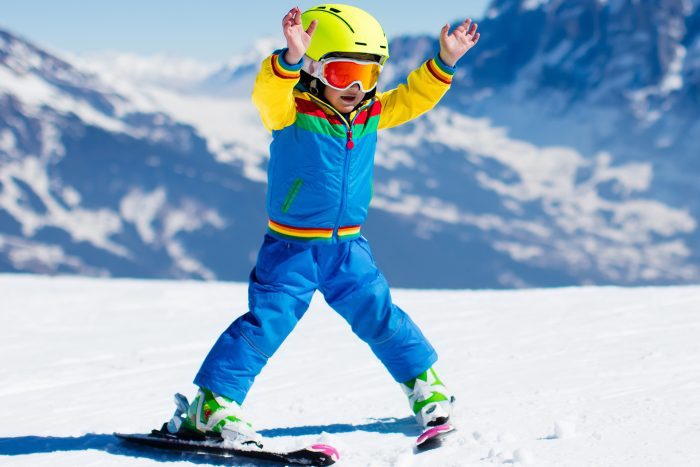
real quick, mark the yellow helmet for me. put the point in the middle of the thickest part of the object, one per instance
(344, 28)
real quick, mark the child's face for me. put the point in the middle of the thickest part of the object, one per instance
(346, 100)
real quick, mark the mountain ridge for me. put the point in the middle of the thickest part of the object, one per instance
(533, 171)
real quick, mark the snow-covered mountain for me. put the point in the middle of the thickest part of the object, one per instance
(564, 154)
(618, 76)
(618, 66)
(90, 184)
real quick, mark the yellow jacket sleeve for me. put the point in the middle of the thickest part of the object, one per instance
(273, 91)
(423, 89)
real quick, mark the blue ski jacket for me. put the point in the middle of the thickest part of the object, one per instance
(321, 164)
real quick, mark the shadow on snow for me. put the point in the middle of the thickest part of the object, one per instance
(24, 445)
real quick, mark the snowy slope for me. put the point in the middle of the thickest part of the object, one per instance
(546, 377)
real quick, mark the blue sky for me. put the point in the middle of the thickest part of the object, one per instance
(211, 30)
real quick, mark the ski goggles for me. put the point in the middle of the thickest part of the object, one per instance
(341, 73)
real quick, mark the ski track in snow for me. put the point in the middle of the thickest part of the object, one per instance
(583, 376)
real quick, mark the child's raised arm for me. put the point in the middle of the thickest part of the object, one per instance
(454, 45)
(273, 89)
(298, 39)
(426, 85)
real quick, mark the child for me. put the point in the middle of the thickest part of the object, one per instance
(318, 97)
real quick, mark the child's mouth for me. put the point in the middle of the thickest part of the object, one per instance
(348, 99)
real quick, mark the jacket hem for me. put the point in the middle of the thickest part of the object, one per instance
(313, 234)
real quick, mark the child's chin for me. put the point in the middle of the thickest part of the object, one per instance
(345, 108)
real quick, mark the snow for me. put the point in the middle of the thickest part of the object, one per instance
(34, 93)
(7, 141)
(93, 226)
(543, 377)
(158, 83)
(673, 80)
(46, 258)
(147, 211)
(230, 125)
(141, 209)
(628, 234)
(533, 4)
(162, 69)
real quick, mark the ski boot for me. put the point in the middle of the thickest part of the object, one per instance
(213, 415)
(429, 399)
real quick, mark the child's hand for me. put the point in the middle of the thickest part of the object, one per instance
(298, 40)
(453, 46)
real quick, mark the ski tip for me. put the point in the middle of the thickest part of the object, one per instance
(433, 434)
(327, 450)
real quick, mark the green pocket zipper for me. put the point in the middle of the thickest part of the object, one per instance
(291, 194)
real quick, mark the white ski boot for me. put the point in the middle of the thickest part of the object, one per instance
(210, 413)
(429, 399)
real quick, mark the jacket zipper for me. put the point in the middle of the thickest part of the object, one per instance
(349, 145)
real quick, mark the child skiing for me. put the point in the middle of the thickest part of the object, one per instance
(318, 97)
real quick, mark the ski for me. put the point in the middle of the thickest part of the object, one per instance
(316, 454)
(433, 436)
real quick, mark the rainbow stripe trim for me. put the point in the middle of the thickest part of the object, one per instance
(282, 69)
(313, 118)
(307, 234)
(440, 70)
(352, 231)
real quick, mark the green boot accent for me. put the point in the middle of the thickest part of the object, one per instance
(429, 399)
(212, 413)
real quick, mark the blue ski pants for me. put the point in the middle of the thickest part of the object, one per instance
(282, 283)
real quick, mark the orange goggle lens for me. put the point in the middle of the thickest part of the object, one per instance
(341, 74)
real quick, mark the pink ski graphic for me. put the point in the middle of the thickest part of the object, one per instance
(433, 435)
(326, 449)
